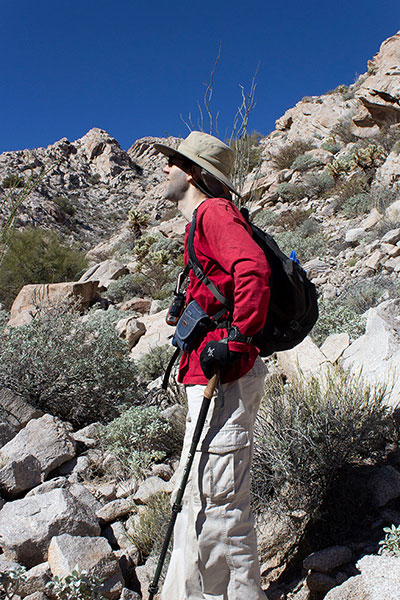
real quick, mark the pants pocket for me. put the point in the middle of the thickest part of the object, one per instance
(224, 465)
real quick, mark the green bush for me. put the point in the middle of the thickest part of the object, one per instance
(123, 289)
(331, 146)
(12, 182)
(391, 543)
(286, 156)
(356, 184)
(307, 240)
(265, 219)
(305, 162)
(93, 179)
(308, 429)
(147, 532)
(139, 437)
(79, 585)
(356, 205)
(367, 293)
(160, 260)
(77, 370)
(154, 363)
(337, 317)
(291, 192)
(65, 205)
(318, 184)
(291, 219)
(37, 256)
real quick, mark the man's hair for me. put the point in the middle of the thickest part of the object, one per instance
(209, 184)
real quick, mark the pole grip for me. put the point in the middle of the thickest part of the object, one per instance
(210, 387)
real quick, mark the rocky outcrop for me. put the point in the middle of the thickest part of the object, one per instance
(380, 92)
(33, 297)
(27, 526)
(40, 447)
(377, 353)
(93, 554)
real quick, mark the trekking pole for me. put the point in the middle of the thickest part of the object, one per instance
(177, 507)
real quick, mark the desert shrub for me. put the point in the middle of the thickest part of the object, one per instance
(356, 184)
(290, 192)
(356, 205)
(367, 293)
(318, 184)
(388, 137)
(305, 162)
(368, 157)
(147, 530)
(95, 178)
(137, 219)
(122, 289)
(339, 166)
(10, 580)
(77, 370)
(139, 437)
(65, 205)
(342, 130)
(153, 364)
(265, 218)
(382, 196)
(337, 316)
(12, 182)
(291, 219)
(306, 240)
(160, 260)
(390, 545)
(288, 154)
(332, 146)
(307, 430)
(37, 256)
(78, 585)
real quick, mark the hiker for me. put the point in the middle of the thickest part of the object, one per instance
(214, 553)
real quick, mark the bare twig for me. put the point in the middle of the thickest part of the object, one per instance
(209, 90)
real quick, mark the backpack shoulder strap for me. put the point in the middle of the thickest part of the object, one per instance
(198, 271)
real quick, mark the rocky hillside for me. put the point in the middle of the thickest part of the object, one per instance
(327, 185)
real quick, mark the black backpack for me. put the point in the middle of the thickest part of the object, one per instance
(293, 306)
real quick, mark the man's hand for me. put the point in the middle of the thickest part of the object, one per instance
(216, 356)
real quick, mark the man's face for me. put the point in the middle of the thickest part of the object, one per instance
(177, 180)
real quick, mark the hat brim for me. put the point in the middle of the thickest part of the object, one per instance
(167, 151)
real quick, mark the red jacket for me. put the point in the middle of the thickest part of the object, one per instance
(234, 262)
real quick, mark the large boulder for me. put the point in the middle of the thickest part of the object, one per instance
(18, 412)
(380, 576)
(158, 333)
(104, 273)
(31, 297)
(93, 554)
(306, 358)
(376, 354)
(47, 441)
(27, 526)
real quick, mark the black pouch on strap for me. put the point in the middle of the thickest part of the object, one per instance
(191, 327)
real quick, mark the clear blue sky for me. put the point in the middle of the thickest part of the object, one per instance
(132, 67)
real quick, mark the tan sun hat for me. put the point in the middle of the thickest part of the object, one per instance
(206, 151)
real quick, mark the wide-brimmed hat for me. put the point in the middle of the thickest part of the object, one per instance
(206, 151)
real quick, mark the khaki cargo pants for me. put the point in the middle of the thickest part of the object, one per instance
(214, 554)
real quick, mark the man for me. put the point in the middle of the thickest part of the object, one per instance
(214, 553)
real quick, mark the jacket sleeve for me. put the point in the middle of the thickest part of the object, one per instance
(229, 243)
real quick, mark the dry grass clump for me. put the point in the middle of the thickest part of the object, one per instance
(307, 430)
